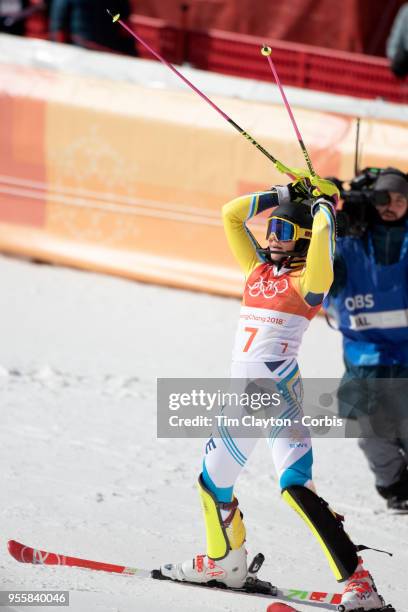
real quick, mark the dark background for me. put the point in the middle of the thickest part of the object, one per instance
(360, 26)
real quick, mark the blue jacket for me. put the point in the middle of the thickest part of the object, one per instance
(369, 296)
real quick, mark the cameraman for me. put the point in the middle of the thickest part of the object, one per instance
(369, 299)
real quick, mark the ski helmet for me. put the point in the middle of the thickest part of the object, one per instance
(292, 221)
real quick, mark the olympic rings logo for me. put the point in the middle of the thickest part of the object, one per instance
(268, 289)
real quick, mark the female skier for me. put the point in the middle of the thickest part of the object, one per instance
(285, 286)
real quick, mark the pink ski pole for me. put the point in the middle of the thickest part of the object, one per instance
(267, 52)
(281, 167)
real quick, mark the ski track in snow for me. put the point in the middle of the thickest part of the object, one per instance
(84, 474)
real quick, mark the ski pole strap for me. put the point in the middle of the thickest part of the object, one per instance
(363, 547)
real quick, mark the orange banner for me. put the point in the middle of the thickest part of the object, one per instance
(130, 180)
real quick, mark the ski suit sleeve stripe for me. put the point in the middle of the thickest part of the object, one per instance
(241, 241)
(317, 276)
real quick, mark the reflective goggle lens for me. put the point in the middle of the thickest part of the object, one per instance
(281, 229)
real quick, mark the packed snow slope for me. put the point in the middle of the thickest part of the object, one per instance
(83, 473)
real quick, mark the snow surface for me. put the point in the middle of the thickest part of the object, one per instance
(82, 472)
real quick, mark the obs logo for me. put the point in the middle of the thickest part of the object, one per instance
(359, 301)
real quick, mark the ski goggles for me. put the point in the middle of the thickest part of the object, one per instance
(285, 230)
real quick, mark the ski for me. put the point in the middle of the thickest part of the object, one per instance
(280, 607)
(27, 554)
(260, 588)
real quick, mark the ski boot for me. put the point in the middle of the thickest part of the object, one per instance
(226, 558)
(229, 572)
(397, 493)
(360, 592)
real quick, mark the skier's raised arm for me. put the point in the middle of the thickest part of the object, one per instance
(317, 275)
(242, 242)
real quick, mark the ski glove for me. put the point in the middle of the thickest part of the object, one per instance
(326, 188)
(322, 186)
(297, 192)
(300, 190)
